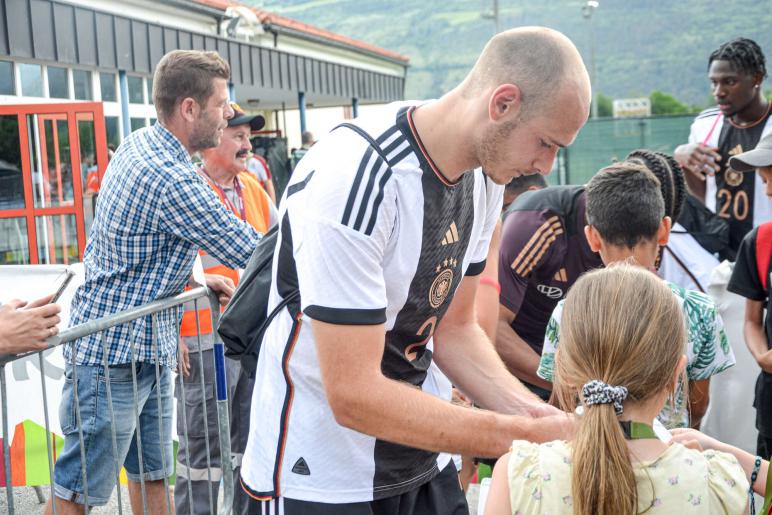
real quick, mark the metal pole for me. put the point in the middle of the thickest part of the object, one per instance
(124, 87)
(223, 416)
(496, 15)
(49, 452)
(6, 444)
(593, 79)
(202, 384)
(354, 107)
(104, 323)
(302, 111)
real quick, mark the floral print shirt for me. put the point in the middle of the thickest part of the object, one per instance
(680, 480)
(707, 351)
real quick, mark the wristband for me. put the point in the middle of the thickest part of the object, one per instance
(754, 475)
(490, 281)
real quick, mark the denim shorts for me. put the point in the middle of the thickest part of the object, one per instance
(102, 464)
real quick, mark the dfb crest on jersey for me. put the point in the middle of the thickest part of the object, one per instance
(733, 177)
(441, 285)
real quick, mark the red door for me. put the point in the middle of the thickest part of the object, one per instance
(52, 157)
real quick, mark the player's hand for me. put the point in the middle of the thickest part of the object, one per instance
(183, 364)
(694, 439)
(26, 327)
(698, 160)
(542, 409)
(555, 427)
(222, 286)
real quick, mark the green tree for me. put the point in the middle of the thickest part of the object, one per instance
(605, 105)
(662, 103)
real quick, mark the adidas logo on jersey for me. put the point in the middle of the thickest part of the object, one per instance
(561, 276)
(301, 467)
(451, 236)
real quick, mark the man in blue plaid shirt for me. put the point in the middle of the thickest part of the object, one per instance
(153, 215)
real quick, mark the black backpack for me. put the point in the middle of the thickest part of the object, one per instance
(710, 230)
(246, 318)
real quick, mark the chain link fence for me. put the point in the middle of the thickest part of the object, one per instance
(605, 140)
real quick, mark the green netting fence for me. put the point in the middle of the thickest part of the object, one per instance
(605, 140)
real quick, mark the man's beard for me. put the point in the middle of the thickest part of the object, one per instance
(205, 134)
(489, 149)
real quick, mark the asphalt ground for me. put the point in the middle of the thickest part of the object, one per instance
(25, 501)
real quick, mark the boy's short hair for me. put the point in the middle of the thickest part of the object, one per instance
(520, 184)
(624, 204)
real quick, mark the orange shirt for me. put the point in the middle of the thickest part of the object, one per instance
(257, 205)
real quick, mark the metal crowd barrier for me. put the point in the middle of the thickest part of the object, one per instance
(97, 327)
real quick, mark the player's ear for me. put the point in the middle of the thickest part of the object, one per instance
(593, 237)
(505, 103)
(663, 232)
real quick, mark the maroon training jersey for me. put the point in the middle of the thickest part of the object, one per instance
(543, 252)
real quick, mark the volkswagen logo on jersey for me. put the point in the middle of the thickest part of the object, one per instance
(553, 292)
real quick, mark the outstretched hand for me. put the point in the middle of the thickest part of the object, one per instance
(694, 439)
(556, 427)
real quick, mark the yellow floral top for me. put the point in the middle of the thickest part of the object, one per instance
(679, 481)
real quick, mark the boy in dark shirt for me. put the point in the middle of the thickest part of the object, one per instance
(751, 279)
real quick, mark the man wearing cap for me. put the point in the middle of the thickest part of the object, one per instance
(751, 278)
(224, 169)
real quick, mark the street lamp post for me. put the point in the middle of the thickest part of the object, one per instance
(493, 15)
(587, 11)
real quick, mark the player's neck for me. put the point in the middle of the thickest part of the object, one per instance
(752, 113)
(440, 126)
(644, 254)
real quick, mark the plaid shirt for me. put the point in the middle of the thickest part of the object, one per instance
(153, 214)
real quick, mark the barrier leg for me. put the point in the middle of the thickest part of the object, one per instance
(153, 328)
(83, 464)
(185, 432)
(116, 466)
(206, 414)
(49, 453)
(223, 415)
(6, 446)
(136, 418)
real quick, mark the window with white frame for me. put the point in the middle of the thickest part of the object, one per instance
(58, 86)
(31, 76)
(7, 78)
(81, 85)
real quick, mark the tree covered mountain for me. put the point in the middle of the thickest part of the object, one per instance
(640, 45)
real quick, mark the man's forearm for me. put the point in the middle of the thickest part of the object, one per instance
(699, 398)
(467, 357)
(395, 412)
(518, 356)
(755, 339)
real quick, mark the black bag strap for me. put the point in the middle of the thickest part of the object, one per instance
(374, 144)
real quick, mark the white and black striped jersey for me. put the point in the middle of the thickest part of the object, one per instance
(365, 242)
(740, 198)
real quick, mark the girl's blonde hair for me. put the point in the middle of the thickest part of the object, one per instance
(621, 325)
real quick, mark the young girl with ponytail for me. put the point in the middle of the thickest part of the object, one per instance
(621, 356)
